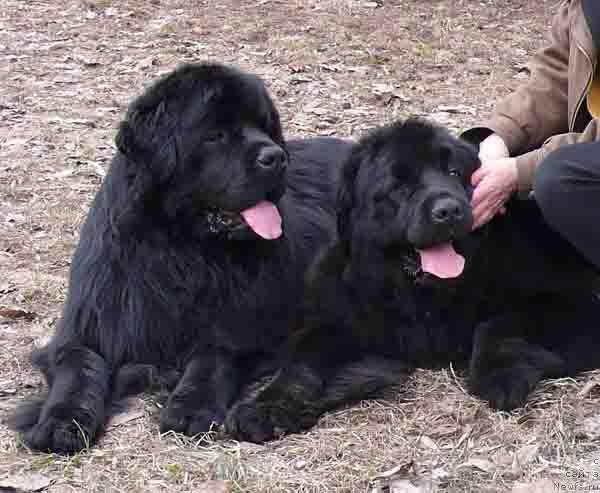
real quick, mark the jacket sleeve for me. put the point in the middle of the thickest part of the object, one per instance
(528, 162)
(538, 108)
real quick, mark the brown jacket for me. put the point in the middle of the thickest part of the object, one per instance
(545, 112)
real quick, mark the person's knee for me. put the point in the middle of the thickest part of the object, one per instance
(567, 170)
(548, 180)
(554, 183)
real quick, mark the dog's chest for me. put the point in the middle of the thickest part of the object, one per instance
(439, 321)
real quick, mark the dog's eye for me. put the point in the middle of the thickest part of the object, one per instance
(215, 137)
(454, 172)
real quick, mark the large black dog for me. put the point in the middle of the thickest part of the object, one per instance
(183, 260)
(409, 285)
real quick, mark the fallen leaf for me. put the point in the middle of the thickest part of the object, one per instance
(524, 418)
(63, 174)
(42, 341)
(522, 458)
(24, 483)
(523, 69)
(329, 68)
(381, 88)
(16, 313)
(298, 69)
(250, 447)
(7, 288)
(457, 108)
(135, 410)
(90, 62)
(527, 454)
(445, 430)
(481, 464)
(299, 80)
(300, 464)
(147, 62)
(319, 111)
(356, 112)
(81, 121)
(465, 435)
(407, 486)
(439, 473)
(590, 427)
(587, 388)
(386, 93)
(216, 486)
(15, 142)
(427, 442)
(404, 468)
(97, 169)
(542, 486)
(14, 218)
(62, 488)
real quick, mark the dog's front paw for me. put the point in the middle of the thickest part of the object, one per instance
(251, 422)
(505, 388)
(62, 435)
(190, 422)
(259, 421)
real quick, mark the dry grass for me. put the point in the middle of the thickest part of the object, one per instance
(335, 67)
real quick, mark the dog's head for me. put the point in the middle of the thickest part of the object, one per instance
(205, 141)
(405, 200)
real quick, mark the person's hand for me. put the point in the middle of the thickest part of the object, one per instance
(492, 148)
(495, 181)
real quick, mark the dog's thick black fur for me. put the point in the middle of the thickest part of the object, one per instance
(168, 273)
(521, 310)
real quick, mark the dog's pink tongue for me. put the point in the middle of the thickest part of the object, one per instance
(442, 261)
(264, 219)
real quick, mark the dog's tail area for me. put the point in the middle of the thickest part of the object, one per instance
(363, 379)
(129, 380)
(132, 379)
(27, 414)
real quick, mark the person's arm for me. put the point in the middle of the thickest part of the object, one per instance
(538, 109)
(499, 178)
(527, 163)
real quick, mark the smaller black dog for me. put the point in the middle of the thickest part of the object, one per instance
(409, 285)
(192, 257)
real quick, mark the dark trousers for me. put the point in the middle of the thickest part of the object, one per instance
(567, 190)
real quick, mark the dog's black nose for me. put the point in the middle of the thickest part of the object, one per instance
(447, 210)
(272, 157)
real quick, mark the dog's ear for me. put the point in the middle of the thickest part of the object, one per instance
(146, 123)
(276, 129)
(149, 139)
(125, 139)
(354, 229)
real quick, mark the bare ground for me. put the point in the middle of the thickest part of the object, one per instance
(335, 67)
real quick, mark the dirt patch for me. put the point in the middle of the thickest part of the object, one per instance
(335, 67)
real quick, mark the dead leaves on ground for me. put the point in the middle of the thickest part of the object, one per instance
(134, 410)
(24, 483)
(16, 313)
(412, 477)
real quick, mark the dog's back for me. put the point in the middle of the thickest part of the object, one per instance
(309, 206)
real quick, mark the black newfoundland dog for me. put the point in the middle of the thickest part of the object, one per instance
(409, 285)
(192, 257)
